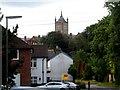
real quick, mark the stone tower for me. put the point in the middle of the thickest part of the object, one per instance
(61, 25)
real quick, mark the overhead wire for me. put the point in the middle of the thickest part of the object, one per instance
(48, 22)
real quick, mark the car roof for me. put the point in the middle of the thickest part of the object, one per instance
(55, 82)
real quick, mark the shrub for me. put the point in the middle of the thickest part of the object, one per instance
(82, 85)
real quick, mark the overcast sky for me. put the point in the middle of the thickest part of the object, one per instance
(38, 16)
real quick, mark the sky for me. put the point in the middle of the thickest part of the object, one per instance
(38, 16)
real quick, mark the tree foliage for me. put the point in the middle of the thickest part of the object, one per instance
(104, 41)
(55, 41)
(98, 38)
(73, 71)
(114, 37)
(81, 42)
(80, 61)
(98, 45)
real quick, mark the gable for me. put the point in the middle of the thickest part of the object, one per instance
(62, 57)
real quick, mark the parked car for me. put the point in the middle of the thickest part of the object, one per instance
(54, 86)
(72, 85)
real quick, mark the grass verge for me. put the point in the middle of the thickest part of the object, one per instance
(106, 84)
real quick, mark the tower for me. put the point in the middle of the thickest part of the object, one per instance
(61, 25)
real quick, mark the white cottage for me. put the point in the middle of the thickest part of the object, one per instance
(59, 65)
(39, 64)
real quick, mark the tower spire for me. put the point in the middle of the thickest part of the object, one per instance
(61, 14)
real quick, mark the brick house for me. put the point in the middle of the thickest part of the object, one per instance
(23, 53)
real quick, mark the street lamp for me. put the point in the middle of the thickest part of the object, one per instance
(8, 17)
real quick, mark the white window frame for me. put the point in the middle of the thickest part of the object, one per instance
(33, 62)
(17, 56)
(34, 79)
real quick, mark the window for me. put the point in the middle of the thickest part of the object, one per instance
(34, 79)
(34, 62)
(16, 56)
(51, 84)
(65, 27)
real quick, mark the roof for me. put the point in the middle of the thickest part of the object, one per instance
(32, 41)
(18, 43)
(61, 19)
(40, 51)
(52, 54)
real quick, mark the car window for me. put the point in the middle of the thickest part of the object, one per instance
(51, 84)
(67, 83)
(57, 83)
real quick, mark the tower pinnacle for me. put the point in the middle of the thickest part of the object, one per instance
(61, 14)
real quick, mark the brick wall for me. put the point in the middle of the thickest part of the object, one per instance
(25, 71)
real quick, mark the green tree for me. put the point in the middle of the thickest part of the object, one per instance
(73, 72)
(89, 73)
(81, 42)
(114, 37)
(56, 40)
(98, 41)
(80, 61)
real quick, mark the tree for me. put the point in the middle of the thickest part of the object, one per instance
(81, 42)
(1, 17)
(114, 37)
(98, 36)
(89, 73)
(80, 61)
(56, 40)
(73, 72)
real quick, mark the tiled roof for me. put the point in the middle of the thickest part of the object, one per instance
(32, 41)
(40, 51)
(61, 19)
(20, 44)
(52, 54)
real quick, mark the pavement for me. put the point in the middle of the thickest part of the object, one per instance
(96, 87)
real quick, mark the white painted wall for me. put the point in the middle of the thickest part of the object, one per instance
(17, 79)
(37, 71)
(59, 65)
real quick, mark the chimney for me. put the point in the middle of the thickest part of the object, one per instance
(24, 37)
(38, 36)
